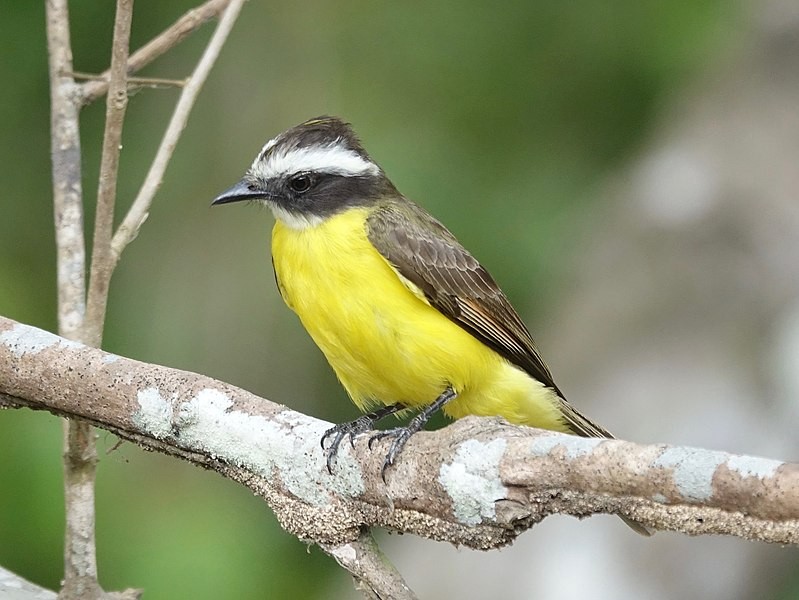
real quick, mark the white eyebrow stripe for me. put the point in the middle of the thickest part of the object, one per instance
(269, 145)
(333, 159)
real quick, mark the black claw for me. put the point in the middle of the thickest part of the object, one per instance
(376, 437)
(401, 435)
(366, 422)
(359, 429)
(352, 429)
(337, 433)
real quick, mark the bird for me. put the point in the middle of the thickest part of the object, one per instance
(407, 318)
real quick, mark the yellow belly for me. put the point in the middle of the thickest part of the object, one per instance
(385, 342)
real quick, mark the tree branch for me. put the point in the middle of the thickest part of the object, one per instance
(371, 571)
(80, 453)
(78, 319)
(14, 586)
(67, 190)
(140, 208)
(80, 563)
(162, 43)
(103, 259)
(479, 482)
(133, 82)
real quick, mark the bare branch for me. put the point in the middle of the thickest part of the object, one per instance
(141, 206)
(163, 42)
(103, 259)
(479, 482)
(78, 319)
(14, 586)
(372, 573)
(80, 568)
(80, 454)
(67, 191)
(133, 82)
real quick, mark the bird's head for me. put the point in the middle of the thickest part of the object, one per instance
(311, 172)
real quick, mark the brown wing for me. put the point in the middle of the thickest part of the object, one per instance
(424, 252)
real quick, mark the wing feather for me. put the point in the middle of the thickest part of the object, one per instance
(425, 253)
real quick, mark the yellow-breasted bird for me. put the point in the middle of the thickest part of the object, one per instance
(404, 314)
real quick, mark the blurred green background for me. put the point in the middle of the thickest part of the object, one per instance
(500, 119)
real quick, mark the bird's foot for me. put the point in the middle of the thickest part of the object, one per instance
(401, 435)
(352, 429)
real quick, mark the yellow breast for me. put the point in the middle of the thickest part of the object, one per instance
(384, 341)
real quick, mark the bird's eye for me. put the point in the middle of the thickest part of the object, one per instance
(300, 183)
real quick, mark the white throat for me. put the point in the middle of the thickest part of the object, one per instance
(295, 221)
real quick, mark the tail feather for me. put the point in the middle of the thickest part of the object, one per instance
(583, 426)
(580, 424)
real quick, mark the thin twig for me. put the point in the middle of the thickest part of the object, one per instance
(103, 259)
(153, 82)
(163, 42)
(141, 206)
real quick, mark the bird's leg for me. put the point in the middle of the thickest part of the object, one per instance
(402, 434)
(353, 428)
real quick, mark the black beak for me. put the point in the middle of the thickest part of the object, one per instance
(238, 192)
